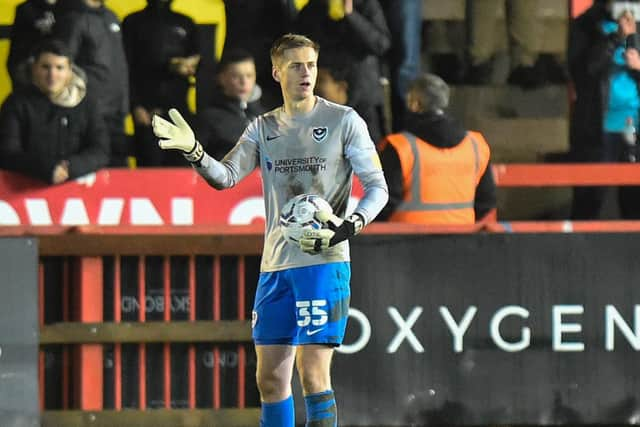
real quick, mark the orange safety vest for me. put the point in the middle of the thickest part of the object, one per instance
(440, 187)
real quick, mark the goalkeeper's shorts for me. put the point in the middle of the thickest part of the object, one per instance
(305, 305)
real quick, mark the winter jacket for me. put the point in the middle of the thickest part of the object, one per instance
(254, 26)
(152, 37)
(220, 126)
(36, 135)
(95, 42)
(590, 58)
(360, 39)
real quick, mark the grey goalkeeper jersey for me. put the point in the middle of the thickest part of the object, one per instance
(313, 153)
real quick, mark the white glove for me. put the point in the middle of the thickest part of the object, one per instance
(178, 136)
(315, 241)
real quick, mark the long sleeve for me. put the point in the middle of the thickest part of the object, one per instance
(485, 198)
(393, 175)
(238, 163)
(365, 163)
(369, 27)
(11, 153)
(14, 154)
(94, 153)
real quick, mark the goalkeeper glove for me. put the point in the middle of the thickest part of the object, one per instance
(178, 136)
(315, 241)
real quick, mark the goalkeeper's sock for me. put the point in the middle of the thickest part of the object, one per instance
(278, 414)
(321, 409)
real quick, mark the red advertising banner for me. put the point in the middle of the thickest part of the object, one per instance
(141, 197)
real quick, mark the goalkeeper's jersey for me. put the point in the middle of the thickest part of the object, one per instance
(312, 153)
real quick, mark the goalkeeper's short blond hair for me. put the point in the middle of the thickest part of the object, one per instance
(290, 41)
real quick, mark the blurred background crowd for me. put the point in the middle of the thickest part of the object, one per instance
(536, 84)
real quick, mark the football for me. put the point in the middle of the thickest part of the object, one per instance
(298, 215)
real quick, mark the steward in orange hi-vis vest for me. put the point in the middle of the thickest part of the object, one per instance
(439, 184)
(437, 171)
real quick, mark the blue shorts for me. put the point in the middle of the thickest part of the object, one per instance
(305, 305)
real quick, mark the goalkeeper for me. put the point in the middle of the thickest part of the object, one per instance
(308, 145)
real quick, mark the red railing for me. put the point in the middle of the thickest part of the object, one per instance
(82, 282)
(566, 174)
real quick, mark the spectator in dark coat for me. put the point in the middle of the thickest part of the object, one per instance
(253, 26)
(606, 76)
(235, 103)
(163, 52)
(34, 21)
(92, 33)
(404, 19)
(51, 130)
(356, 31)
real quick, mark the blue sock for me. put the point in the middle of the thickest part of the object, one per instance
(321, 409)
(278, 414)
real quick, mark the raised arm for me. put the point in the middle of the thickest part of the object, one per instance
(237, 164)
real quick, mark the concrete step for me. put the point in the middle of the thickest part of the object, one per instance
(508, 101)
(523, 140)
(453, 10)
(553, 15)
(528, 204)
(526, 140)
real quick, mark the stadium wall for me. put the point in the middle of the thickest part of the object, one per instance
(445, 329)
(19, 392)
(492, 329)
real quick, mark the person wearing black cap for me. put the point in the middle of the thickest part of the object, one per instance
(606, 76)
(34, 22)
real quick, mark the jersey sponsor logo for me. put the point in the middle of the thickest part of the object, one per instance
(320, 133)
(312, 164)
(314, 331)
(272, 137)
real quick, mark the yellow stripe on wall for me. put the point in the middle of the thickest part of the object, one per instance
(201, 11)
(8, 9)
(5, 83)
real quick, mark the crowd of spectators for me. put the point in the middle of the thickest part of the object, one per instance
(147, 64)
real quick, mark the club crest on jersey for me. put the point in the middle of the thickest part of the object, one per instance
(320, 133)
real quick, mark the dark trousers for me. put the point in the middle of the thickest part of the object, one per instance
(118, 142)
(588, 201)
